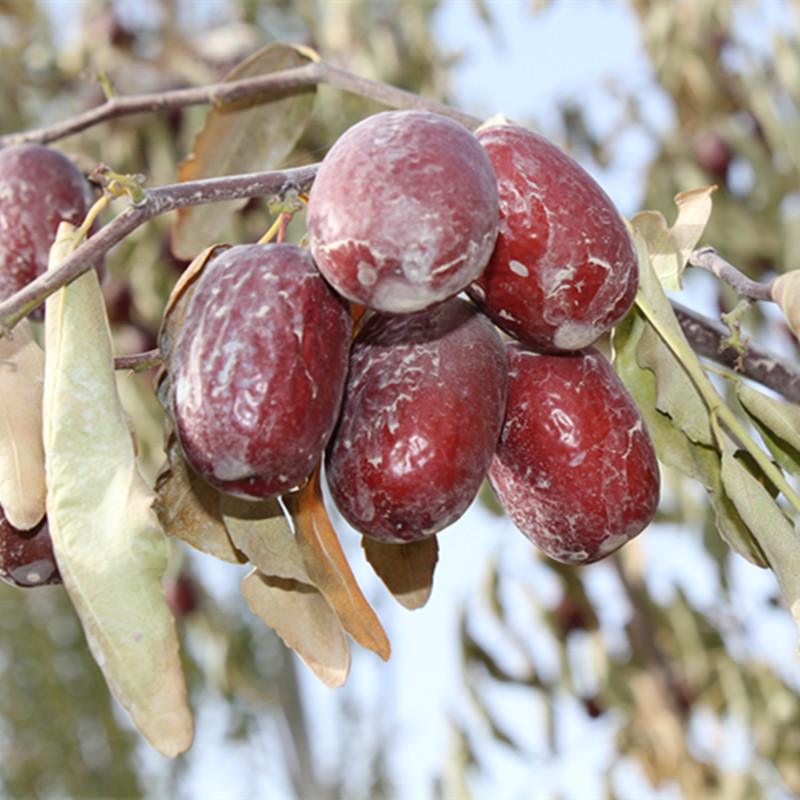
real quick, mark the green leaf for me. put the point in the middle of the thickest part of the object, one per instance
(775, 533)
(777, 421)
(109, 545)
(248, 135)
(677, 396)
(22, 477)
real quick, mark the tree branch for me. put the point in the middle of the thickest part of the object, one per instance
(708, 258)
(710, 338)
(157, 201)
(269, 85)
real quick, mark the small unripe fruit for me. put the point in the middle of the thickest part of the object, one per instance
(575, 469)
(258, 369)
(564, 270)
(403, 212)
(422, 413)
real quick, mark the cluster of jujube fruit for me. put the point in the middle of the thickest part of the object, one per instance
(408, 213)
(437, 331)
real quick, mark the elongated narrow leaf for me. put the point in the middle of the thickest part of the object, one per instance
(670, 427)
(110, 547)
(676, 394)
(328, 568)
(303, 618)
(262, 532)
(22, 480)
(406, 569)
(189, 508)
(248, 135)
(777, 537)
(779, 424)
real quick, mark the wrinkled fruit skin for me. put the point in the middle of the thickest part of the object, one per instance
(575, 468)
(564, 270)
(403, 212)
(258, 368)
(39, 188)
(422, 414)
(26, 557)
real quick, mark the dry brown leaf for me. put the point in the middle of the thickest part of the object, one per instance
(406, 569)
(189, 508)
(261, 531)
(22, 477)
(247, 135)
(328, 567)
(303, 618)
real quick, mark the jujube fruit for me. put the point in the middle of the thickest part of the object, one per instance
(403, 211)
(39, 187)
(257, 370)
(26, 557)
(423, 407)
(564, 270)
(575, 468)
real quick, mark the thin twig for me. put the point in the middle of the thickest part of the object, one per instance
(157, 201)
(270, 85)
(747, 289)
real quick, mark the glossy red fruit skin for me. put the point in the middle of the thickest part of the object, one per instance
(403, 212)
(26, 557)
(564, 269)
(39, 187)
(423, 407)
(257, 371)
(575, 468)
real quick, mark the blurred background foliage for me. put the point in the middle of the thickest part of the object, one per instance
(674, 678)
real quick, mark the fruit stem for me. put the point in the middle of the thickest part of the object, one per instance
(716, 405)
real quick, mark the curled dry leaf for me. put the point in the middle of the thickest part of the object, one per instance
(670, 247)
(406, 569)
(328, 568)
(109, 545)
(305, 621)
(22, 478)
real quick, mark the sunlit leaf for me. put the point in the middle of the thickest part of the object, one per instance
(328, 567)
(676, 394)
(261, 531)
(671, 417)
(303, 618)
(110, 547)
(248, 135)
(189, 508)
(406, 569)
(22, 480)
(670, 247)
